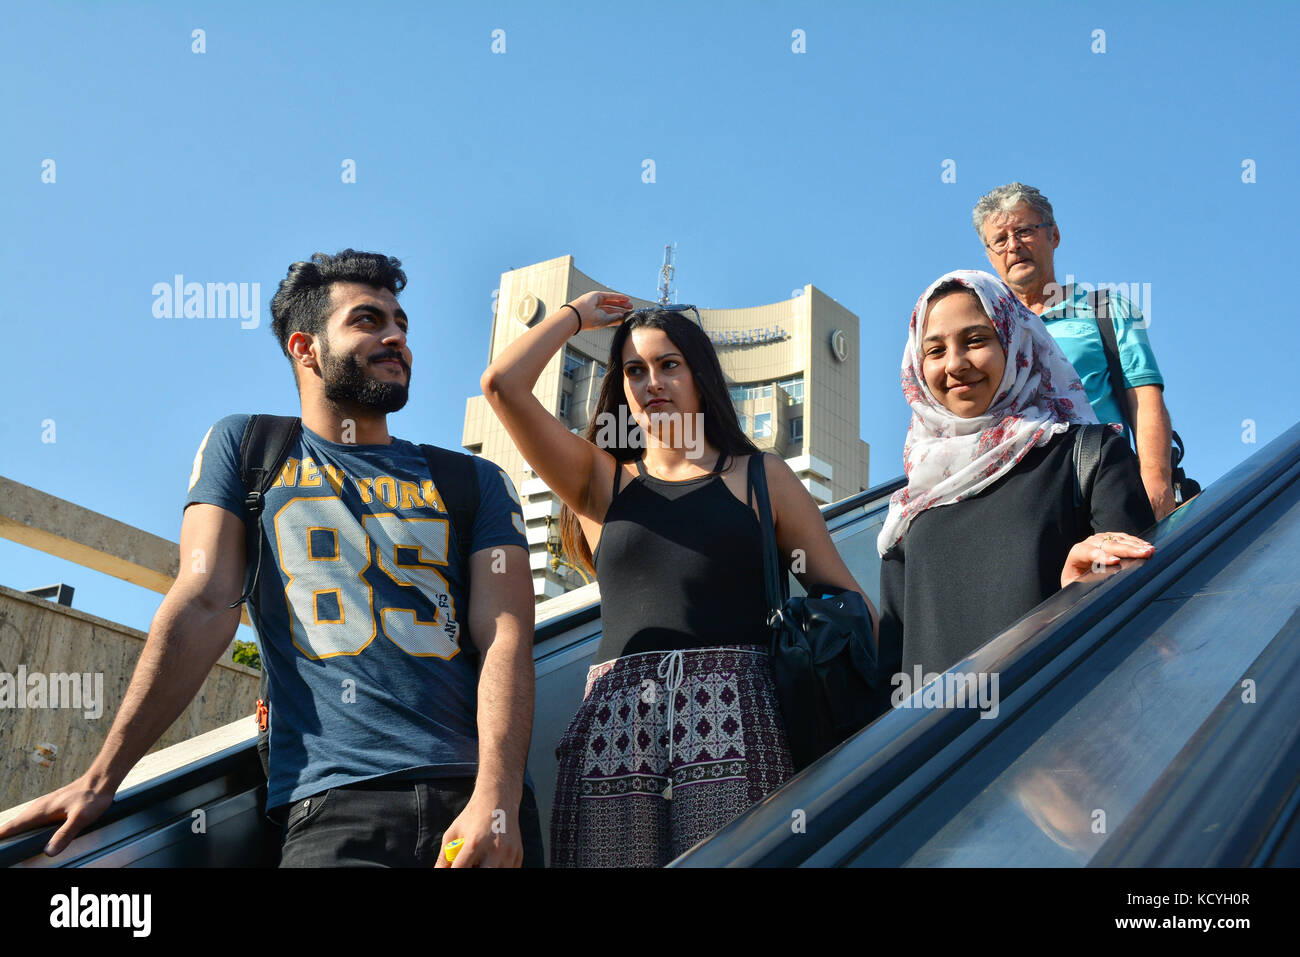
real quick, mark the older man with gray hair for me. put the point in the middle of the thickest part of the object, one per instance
(1020, 236)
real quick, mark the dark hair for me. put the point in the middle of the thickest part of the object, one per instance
(721, 427)
(951, 286)
(302, 303)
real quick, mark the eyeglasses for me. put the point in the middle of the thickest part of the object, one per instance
(1023, 234)
(683, 309)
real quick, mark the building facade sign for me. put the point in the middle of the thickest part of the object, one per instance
(797, 400)
(744, 337)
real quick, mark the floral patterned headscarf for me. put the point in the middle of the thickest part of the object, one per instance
(948, 458)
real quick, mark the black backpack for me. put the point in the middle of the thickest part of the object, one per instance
(1184, 488)
(262, 452)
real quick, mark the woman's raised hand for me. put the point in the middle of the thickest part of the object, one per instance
(599, 309)
(1101, 551)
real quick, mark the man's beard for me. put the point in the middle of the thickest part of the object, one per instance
(347, 383)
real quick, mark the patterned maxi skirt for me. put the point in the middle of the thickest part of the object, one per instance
(628, 797)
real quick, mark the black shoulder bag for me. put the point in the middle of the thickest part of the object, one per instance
(823, 651)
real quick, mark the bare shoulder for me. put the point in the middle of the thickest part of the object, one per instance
(780, 477)
(774, 468)
(739, 464)
(785, 491)
(790, 498)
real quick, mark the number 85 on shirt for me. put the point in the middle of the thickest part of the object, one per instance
(331, 604)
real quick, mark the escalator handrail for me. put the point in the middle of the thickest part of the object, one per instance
(238, 760)
(842, 785)
(857, 500)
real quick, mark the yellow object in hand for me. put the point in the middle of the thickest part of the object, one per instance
(452, 849)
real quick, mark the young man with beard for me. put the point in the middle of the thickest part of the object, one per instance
(392, 733)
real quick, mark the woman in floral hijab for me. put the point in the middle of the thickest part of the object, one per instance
(987, 526)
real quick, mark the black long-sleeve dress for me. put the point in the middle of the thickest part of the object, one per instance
(962, 573)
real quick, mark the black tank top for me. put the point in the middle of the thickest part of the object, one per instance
(680, 566)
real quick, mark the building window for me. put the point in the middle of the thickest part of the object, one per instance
(793, 388)
(740, 393)
(600, 370)
(744, 423)
(762, 425)
(796, 428)
(573, 364)
(564, 405)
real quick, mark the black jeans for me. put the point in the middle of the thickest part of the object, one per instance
(388, 824)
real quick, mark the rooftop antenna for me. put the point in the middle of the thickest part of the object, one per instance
(666, 274)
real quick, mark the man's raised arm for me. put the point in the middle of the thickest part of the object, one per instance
(190, 630)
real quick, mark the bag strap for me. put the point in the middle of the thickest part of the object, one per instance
(1099, 300)
(262, 451)
(1177, 449)
(1087, 458)
(774, 584)
(456, 478)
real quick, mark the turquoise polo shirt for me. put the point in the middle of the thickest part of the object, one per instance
(1072, 323)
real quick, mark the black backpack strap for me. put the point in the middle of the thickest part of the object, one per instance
(456, 478)
(262, 451)
(1100, 302)
(1087, 458)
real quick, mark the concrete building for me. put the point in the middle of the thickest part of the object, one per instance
(63, 672)
(792, 367)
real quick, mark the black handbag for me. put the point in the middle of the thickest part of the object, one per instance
(823, 651)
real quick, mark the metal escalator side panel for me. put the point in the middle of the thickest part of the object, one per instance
(851, 783)
(1232, 792)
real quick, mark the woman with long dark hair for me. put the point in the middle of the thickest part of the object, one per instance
(679, 730)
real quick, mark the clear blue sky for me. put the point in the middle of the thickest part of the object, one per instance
(773, 169)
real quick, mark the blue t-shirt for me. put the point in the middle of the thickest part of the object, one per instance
(362, 599)
(1072, 323)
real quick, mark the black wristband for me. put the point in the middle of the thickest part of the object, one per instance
(576, 313)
